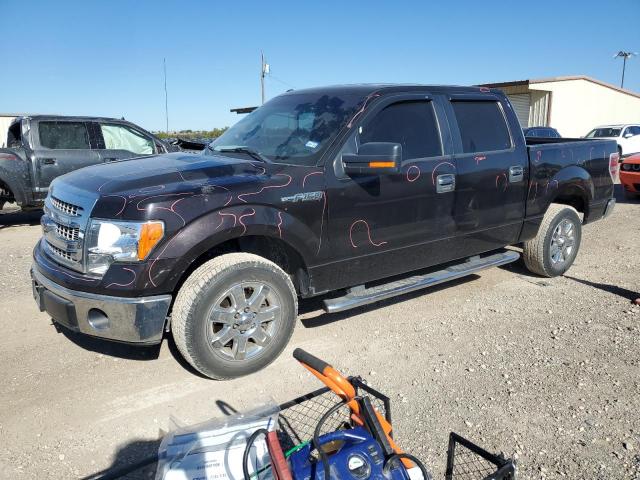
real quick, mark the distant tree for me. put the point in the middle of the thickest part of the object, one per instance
(188, 134)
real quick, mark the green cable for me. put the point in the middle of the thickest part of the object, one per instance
(287, 454)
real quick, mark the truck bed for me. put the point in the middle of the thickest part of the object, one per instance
(581, 163)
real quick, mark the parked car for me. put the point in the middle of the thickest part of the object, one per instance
(40, 148)
(546, 132)
(627, 137)
(630, 175)
(322, 191)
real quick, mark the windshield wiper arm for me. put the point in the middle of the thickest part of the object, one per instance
(248, 150)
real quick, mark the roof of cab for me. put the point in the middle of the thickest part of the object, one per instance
(76, 118)
(365, 89)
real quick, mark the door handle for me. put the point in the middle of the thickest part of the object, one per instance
(110, 159)
(48, 161)
(516, 174)
(445, 183)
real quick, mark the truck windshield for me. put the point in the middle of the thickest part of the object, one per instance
(604, 132)
(293, 129)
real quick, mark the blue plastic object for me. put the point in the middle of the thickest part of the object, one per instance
(359, 457)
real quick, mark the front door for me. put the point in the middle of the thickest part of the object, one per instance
(390, 223)
(492, 165)
(60, 147)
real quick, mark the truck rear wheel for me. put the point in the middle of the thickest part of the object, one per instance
(234, 315)
(552, 251)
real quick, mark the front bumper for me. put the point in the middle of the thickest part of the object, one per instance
(131, 320)
(630, 181)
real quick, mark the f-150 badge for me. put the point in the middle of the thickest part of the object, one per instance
(303, 197)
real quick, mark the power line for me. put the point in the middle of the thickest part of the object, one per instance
(286, 84)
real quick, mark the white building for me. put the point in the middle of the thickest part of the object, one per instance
(571, 105)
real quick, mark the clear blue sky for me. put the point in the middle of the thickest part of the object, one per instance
(105, 57)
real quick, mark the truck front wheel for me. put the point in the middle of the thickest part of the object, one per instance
(552, 251)
(234, 315)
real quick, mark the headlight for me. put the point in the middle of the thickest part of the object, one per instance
(109, 241)
(626, 166)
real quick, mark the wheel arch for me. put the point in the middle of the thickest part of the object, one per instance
(268, 232)
(575, 188)
(14, 176)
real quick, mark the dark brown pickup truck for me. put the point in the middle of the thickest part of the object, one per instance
(356, 192)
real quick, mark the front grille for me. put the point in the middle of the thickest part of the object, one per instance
(58, 252)
(64, 207)
(68, 233)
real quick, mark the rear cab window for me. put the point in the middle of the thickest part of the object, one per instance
(482, 126)
(412, 124)
(64, 135)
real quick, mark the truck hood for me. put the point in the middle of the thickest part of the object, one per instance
(159, 173)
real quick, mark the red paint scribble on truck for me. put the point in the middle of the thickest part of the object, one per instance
(368, 234)
(433, 174)
(125, 284)
(416, 173)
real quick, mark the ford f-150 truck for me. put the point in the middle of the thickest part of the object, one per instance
(341, 191)
(42, 147)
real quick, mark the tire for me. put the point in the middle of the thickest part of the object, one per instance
(549, 254)
(241, 340)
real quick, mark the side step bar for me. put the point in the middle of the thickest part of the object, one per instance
(363, 296)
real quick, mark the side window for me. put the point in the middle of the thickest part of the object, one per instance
(14, 135)
(633, 130)
(482, 126)
(121, 137)
(411, 124)
(64, 135)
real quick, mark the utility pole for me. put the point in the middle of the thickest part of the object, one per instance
(166, 102)
(264, 70)
(624, 56)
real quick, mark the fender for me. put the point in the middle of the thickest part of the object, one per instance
(568, 181)
(171, 259)
(14, 172)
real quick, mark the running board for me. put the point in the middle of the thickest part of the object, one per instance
(363, 296)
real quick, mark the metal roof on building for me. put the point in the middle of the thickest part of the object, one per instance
(561, 79)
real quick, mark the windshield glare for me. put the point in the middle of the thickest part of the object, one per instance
(604, 132)
(293, 129)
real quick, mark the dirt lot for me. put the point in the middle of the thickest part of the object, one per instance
(546, 370)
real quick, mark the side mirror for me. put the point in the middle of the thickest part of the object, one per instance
(628, 135)
(374, 158)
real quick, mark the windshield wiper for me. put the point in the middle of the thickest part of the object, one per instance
(248, 150)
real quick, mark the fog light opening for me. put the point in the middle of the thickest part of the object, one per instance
(98, 319)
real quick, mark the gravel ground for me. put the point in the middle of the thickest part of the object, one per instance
(545, 370)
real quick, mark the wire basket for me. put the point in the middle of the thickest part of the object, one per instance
(298, 418)
(467, 461)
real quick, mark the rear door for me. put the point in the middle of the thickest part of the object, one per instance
(492, 168)
(59, 147)
(121, 141)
